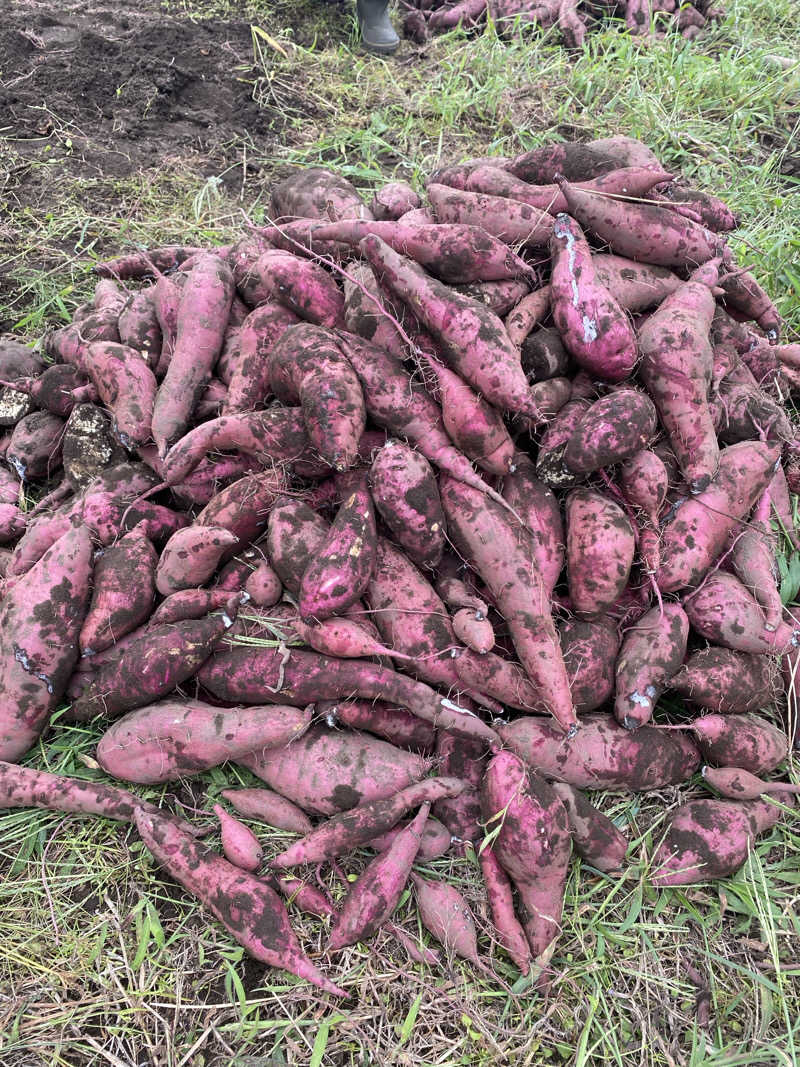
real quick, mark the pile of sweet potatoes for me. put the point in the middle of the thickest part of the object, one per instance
(572, 19)
(429, 514)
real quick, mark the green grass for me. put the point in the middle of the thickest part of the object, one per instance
(102, 960)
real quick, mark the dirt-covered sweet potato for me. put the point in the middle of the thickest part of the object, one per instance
(191, 556)
(269, 807)
(600, 549)
(595, 837)
(123, 592)
(406, 494)
(726, 613)
(295, 534)
(746, 741)
(395, 725)
(34, 450)
(734, 783)
(539, 509)
(509, 220)
(613, 429)
(590, 650)
(725, 681)
(652, 651)
(316, 193)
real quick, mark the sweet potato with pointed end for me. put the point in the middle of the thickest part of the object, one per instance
(395, 725)
(500, 679)
(533, 844)
(753, 559)
(326, 772)
(745, 741)
(69, 344)
(781, 504)
(501, 904)
(502, 553)
(142, 264)
(474, 630)
(302, 286)
(528, 313)
(595, 837)
(725, 613)
(12, 523)
(550, 465)
(24, 787)
(150, 667)
(239, 843)
(600, 549)
(446, 915)
(694, 538)
(191, 556)
(507, 219)
(249, 379)
(269, 807)
(341, 637)
(249, 909)
(58, 389)
(742, 411)
(34, 450)
(306, 897)
(138, 326)
(589, 648)
(405, 492)
(725, 681)
(471, 338)
(202, 318)
(612, 430)
(577, 162)
(647, 232)
(370, 314)
(350, 829)
(652, 652)
(123, 593)
(499, 297)
(537, 506)
(40, 618)
(435, 840)
(317, 193)
(709, 839)
(592, 325)
(745, 297)
(644, 481)
(171, 739)
(604, 755)
(635, 286)
(340, 572)
(372, 899)
(295, 535)
(243, 507)
(735, 783)
(393, 200)
(307, 367)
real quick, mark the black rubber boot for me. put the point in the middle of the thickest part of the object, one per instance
(377, 32)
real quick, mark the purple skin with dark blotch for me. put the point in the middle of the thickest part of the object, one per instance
(405, 492)
(248, 368)
(123, 593)
(652, 652)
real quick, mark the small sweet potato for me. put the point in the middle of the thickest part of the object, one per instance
(34, 450)
(269, 807)
(295, 535)
(239, 843)
(595, 837)
(539, 509)
(393, 200)
(501, 904)
(263, 586)
(734, 783)
(395, 725)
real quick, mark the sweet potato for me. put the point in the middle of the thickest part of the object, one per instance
(528, 313)
(647, 232)
(435, 840)
(171, 739)
(644, 481)
(502, 553)
(355, 827)
(466, 11)
(143, 264)
(742, 411)
(652, 652)
(123, 593)
(295, 535)
(263, 586)
(446, 915)
(725, 613)
(712, 212)
(533, 844)
(243, 507)
(308, 368)
(249, 381)
(249, 909)
(474, 630)
(539, 509)
(592, 325)
(709, 839)
(745, 296)
(635, 286)
(600, 548)
(59, 389)
(595, 837)
(342, 638)
(191, 556)
(507, 219)
(604, 755)
(372, 899)
(781, 505)
(88, 445)
(40, 619)
(694, 538)
(326, 771)
(550, 465)
(753, 559)
(239, 843)
(499, 297)
(395, 725)
(34, 450)
(12, 523)
(500, 679)
(393, 200)
(306, 897)
(269, 807)
(463, 760)
(725, 681)
(589, 648)
(317, 193)
(370, 314)
(138, 326)
(612, 430)
(405, 492)
(202, 317)
(544, 355)
(745, 741)
(501, 904)
(150, 667)
(734, 783)
(577, 162)
(69, 344)
(16, 403)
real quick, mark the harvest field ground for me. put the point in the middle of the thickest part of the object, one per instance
(130, 122)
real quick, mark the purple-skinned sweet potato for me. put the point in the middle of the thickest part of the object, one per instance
(435, 840)
(328, 771)
(528, 313)
(267, 806)
(316, 193)
(499, 297)
(446, 916)
(600, 549)
(745, 297)
(754, 561)
(243, 507)
(150, 667)
(302, 286)
(59, 389)
(652, 652)
(742, 411)
(590, 650)
(393, 200)
(127, 387)
(123, 591)
(191, 556)
(499, 678)
(644, 481)
(395, 725)
(249, 377)
(307, 367)
(370, 314)
(613, 429)
(247, 906)
(406, 494)
(34, 450)
(709, 839)
(593, 326)
(40, 619)
(734, 783)
(239, 843)
(69, 344)
(726, 613)
(635, 286)
(360, 825)
(533, 844)
(345, 638)
(138, 326)
(544, 355)
(694, 538)
(339, 573)
(604, 755)
(295, 534)
(263, 586)
(463, 760)
(509, 220)
(725, 681)
(577, 162)
(745, 741)
(550, 465)
(501, 904)
(537, 506)
(374, 896)
(595, 837)
(172, 739)
(474, 630)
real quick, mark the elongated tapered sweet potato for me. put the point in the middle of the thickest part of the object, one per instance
(269, 807)
(595, 837)
(537, 506)
(722, 680)
(734, 783)
(604, 755)
(746, 741)
(243, 507)
(123, 593)
(239, 844)
(653, 650)
(501, 904)
(635, 286)
(249, 369)
(726, 613)
(509, 220)
(395, 725)
(245, 905)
